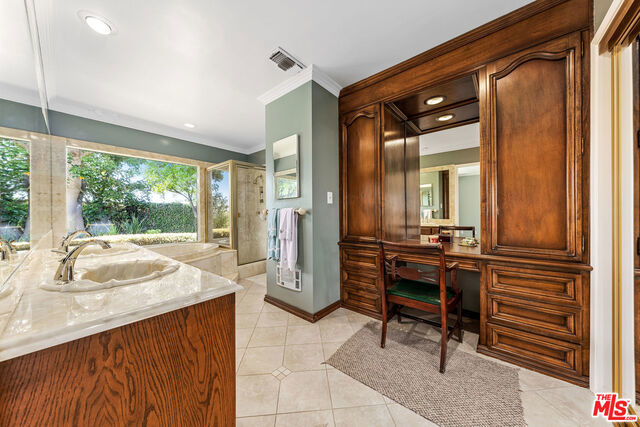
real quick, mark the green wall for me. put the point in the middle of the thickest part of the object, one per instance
(258, 158)
(288, 115)
(326, 219)
(21, 116)
(600, 8)
(458, 157)
(311, 112)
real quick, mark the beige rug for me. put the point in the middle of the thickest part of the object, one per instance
(472, 392)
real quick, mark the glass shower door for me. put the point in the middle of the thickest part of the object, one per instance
(251, 221)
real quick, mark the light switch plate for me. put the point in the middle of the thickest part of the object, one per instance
(329, 198)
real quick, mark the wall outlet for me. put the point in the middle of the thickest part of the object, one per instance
(329, 198)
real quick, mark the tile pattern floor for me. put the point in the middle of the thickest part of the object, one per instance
(281, 380)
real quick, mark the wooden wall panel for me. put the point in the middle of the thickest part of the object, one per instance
(359, 173)
(394, 220)
(412, 175)
(534, 133)
(174, 369)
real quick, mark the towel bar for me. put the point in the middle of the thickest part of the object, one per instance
(299, 211)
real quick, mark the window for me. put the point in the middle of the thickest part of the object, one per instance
(131, 199)
(14, 191)
(220, 217)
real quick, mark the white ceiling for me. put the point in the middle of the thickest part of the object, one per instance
(458, 138)
(206, 61)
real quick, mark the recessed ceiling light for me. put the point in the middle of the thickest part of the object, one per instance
(445, 117)
(97, 23)
(189, 125)
(434, 100)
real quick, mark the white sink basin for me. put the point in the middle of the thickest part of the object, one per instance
(111, 275)
(97, 251)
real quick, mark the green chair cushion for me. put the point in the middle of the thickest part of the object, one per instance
(419, 291)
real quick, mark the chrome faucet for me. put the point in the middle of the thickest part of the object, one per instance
(65, 269)
(64, 244)
(6, 250)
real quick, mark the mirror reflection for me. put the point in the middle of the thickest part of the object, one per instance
(450, 180)
(434, 194)
(285, 168)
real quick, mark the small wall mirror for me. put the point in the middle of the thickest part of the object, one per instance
(285, 168)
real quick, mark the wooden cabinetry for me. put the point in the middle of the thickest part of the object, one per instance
(359, 278)
(360, 175)
(539, 318)
(532, 152)
(532, 69)
(173, 369)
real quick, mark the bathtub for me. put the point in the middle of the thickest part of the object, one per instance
(205, 256)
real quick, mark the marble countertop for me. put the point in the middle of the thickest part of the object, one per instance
(33, 319)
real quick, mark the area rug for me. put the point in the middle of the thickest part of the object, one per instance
(472, 392)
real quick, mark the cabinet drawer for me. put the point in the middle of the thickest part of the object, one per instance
(541, 285)
(537, 317)
(535, 349)
(360, 279)
(363, 259)
(361, 298)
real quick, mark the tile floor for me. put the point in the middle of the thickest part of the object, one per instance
(281, 380)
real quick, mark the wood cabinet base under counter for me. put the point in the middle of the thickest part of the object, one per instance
(176, 368)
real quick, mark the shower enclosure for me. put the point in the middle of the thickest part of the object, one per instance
(235, 209)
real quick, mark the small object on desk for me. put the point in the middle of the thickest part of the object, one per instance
(469, 241)
(433, 238)
(442, 237)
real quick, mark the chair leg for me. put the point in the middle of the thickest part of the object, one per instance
(459, 321)
(384, 331)
(399, 316)
(443, 343)
(384, 322)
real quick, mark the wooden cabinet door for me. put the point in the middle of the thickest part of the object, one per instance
(359, 175)
(532, 152)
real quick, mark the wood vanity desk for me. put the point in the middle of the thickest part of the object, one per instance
(467, 257)
(525, 79)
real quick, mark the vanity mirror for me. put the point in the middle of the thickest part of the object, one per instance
(285, 168)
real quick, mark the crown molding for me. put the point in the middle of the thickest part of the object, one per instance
(310, 73)
(256, 148)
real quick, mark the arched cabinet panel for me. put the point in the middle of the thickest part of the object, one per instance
(360, 169)
(533, 144)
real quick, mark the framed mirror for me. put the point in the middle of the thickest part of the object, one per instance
(438, 195)
(285, 168)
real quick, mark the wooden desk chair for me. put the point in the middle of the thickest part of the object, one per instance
(455, 228)
(424, 290)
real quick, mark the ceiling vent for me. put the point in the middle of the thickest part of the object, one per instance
(285, 61)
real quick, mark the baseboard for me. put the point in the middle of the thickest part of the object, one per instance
(358, 309)
(312, 318)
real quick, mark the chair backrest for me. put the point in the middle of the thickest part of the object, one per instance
(390, 265)
(455, 228)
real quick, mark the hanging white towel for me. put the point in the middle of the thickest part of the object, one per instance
(288, 235)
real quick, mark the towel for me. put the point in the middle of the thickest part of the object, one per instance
(288, 235)
(273, 238)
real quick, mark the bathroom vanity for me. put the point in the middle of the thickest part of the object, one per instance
(158, 352)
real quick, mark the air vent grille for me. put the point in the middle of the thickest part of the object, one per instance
(284, 60)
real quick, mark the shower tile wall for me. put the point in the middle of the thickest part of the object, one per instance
(251, 223)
